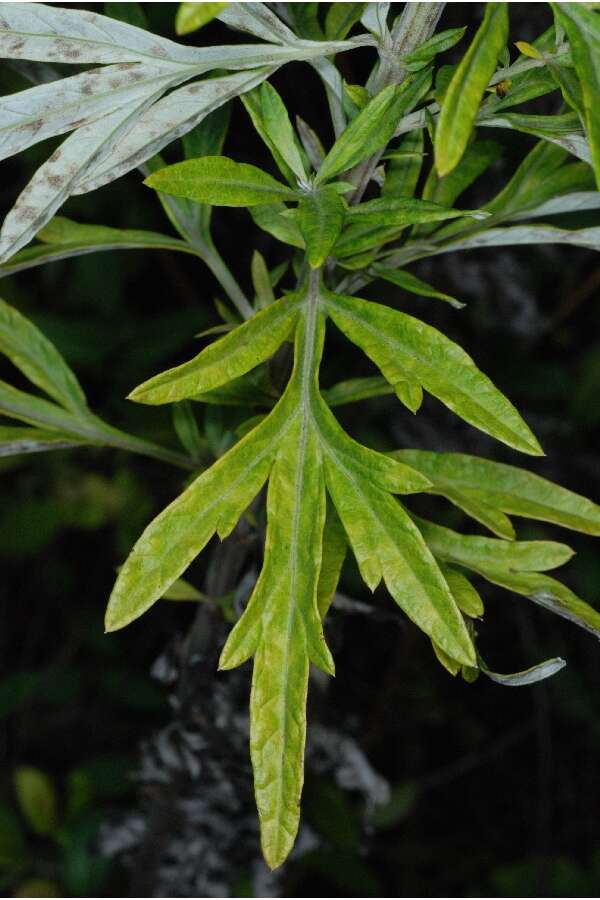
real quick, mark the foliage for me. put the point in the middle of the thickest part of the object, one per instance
(325, 491)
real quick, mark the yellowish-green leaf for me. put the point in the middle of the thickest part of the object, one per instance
(467, 87)
(37, 799)
(467, 598)
(335, 545)
(481, 553)
(387, 545)
(228, 358)
(212, 503)
(406, 349)
(404, 166)
(192, 16)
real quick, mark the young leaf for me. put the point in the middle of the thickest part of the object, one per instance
(406, 349)
(409, 282)
(279, 128)
(320, 219)
(429, 49)
(468, 84)
(228, 358)
(37, 799)
(582, 26)
(39, 360)
(261, 281)
(369, 131)
(507, 488)
(220, 181)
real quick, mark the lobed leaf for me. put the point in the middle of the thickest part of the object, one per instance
(467, 87)
(192, 16)
(387, 545)
(406, 349)
(335, 546)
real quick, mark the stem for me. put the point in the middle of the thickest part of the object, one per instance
(416, 24)
(97, 431)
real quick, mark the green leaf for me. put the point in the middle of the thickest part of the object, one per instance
(477, 158)
(357, 389)
(335, 546)
(15, 440)
(39, 360)
(228, 358)
(582, 26)
(212, 503)
(272, 220)
(485, 554)
(186, 428)
(404, 167)
(63, 238)
(261, 281)
(279, 128)
(525, 234)
(403, 211)
(467, 87)
(340, 19)
(428, 50)
(192, 16)
(36, 796)
(413, 285)
(406, 349)
(563, 130)
(320, 219)
(529, 676)
(470, 479)
(219, 181)
(370, 130)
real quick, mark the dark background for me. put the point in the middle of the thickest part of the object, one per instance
(494, 790)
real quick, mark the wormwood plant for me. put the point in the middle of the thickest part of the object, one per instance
(410, 140)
